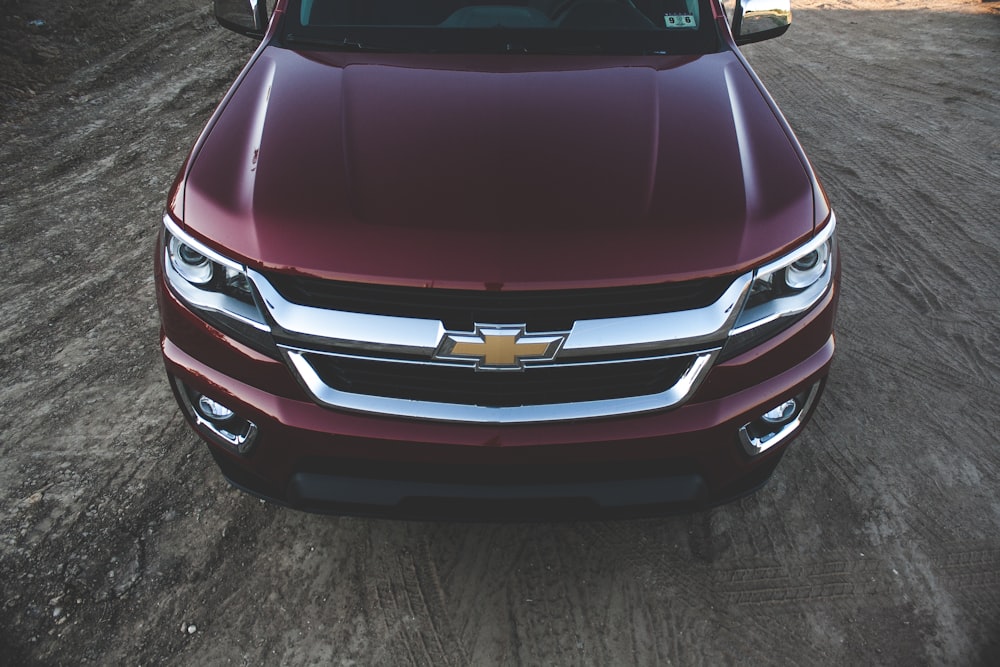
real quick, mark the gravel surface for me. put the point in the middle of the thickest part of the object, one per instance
(877, 541)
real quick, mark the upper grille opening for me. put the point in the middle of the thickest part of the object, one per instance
(540, 385)
(461, 310)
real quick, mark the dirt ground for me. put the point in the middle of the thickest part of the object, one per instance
(877, 541)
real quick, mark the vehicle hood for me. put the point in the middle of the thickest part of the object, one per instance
(498, 172)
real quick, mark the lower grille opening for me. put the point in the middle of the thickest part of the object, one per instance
(497, 469)
(551, 384)
(496, 491)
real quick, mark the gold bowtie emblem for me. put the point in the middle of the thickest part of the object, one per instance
(498, 348)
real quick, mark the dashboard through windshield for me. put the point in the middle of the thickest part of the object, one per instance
(515, 26)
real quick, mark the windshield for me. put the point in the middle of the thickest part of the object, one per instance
(515, 26)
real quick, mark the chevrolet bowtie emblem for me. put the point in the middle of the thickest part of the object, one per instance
(498, 348)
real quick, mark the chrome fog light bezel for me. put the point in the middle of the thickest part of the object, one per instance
(235, 432)
(760, 435)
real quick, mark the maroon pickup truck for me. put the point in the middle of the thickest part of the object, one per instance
(454, 258)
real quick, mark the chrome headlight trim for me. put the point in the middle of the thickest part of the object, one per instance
(794, 300)
(200, 298)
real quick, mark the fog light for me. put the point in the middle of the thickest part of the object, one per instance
(216, 421)
(213, 410)
(782, 413)
(777, 424)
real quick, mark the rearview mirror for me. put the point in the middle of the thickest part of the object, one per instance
(757, 20)
(247, 17)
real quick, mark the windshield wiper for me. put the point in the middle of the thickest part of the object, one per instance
(346, 44)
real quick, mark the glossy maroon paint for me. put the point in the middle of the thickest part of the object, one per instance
(635, 169)
(497, 172)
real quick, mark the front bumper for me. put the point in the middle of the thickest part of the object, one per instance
(320, 459)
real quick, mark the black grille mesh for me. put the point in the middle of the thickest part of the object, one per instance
(540, 385)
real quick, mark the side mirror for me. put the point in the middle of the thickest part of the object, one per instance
(247, 17)
(757, 20)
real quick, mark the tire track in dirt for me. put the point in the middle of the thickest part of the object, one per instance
(860, 465)
(426, 600)
(974, 571)
(646, 601)
(831, 582)
(413, 610)
(691, 597)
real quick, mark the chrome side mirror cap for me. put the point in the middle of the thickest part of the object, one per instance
(757, 20)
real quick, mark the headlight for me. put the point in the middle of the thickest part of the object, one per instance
(190, 262)
(214, 286)
(193, 266)
(809, 268)
(783, 290)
